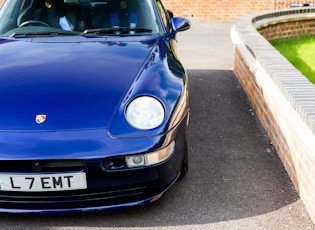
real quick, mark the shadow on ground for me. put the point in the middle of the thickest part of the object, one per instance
(234, 172)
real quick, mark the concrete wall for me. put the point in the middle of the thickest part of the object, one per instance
(284, 100)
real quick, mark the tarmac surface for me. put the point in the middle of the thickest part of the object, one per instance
(235, 178)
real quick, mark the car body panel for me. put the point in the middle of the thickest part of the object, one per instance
(73, 93)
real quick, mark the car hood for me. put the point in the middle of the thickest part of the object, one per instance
(76, 85)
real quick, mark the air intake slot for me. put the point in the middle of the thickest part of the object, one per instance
(42, 166)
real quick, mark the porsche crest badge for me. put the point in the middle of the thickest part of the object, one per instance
(40, 118)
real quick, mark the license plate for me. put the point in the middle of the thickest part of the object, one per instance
(42, 182)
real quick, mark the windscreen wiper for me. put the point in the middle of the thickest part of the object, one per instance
(115, 30)
(41, 33)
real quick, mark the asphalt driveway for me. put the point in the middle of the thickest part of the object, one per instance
(235, 179)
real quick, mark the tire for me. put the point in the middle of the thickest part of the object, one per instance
(184, 168)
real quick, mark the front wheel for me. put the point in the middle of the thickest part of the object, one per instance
(184, 168)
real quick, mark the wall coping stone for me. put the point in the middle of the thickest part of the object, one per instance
(292, 83)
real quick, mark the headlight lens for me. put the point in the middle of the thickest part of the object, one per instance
(145, 113)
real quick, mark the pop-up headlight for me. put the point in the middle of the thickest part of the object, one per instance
(145, 113)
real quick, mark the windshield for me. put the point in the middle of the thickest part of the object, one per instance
(77, 17)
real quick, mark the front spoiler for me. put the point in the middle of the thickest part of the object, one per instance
(134, 201)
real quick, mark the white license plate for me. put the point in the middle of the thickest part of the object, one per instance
(42, 182)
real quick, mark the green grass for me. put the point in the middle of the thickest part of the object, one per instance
(300, 52)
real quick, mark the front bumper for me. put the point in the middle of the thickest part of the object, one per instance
(81, 201)
(106, 189)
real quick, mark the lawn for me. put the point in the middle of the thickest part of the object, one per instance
(300, 52)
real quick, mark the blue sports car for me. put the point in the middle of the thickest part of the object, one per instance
(94, 104)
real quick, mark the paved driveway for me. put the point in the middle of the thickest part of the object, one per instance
(235, 181)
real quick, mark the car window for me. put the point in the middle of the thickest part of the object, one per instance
(8, 13)
(73, 17)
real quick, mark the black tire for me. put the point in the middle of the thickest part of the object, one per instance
(184, 168)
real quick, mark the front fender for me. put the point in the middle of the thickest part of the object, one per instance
(162, 77)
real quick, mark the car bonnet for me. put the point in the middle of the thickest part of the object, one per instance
(65, 85)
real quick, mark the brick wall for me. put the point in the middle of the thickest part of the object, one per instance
(282, 97)
(288, 29)
(227, 10)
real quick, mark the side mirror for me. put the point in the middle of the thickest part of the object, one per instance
(179, 24)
